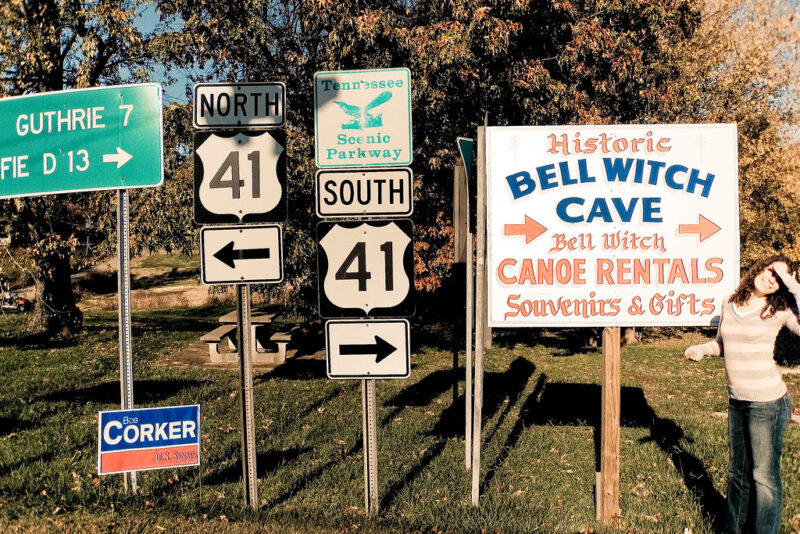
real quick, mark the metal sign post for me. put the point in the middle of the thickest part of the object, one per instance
(124, 308)
(366, 269)
(240, 178)
(249, 475)
(369, 416)
(463, 253)
(469, 398)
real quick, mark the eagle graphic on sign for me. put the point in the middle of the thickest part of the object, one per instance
(362, 118)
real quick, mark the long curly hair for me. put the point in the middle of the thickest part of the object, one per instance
(778, 301)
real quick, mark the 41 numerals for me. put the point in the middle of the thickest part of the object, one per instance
(235, 182)
(359, 256)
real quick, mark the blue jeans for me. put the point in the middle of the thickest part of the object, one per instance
(755, 440)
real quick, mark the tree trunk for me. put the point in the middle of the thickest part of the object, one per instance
(56, 311)
(629, 335)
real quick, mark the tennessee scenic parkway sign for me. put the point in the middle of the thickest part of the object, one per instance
(634, 225)
(81, 140)
(363, 118)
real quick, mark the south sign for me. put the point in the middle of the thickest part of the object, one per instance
(379, 192)
(611, 225)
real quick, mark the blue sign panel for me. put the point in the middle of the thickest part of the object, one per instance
(148, 438)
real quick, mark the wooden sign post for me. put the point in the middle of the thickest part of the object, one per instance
(608, 481)
(480, 317)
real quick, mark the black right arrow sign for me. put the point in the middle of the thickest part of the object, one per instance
(381, 349)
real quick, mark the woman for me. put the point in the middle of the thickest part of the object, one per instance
(759, 407)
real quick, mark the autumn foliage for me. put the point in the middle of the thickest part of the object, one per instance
(503, 62)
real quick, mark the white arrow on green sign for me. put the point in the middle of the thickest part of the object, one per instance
(81, 140)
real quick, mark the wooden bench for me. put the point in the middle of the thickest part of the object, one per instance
(255, 317)
(260, 338)
(282, 340)
(215, 337)
(259, 325)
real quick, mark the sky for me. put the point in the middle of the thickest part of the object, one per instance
(174, 92)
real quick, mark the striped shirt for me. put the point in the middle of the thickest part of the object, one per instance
(747, 343)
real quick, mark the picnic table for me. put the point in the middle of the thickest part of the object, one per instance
(261, 335)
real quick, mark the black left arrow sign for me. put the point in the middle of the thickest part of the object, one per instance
(228, 255)
(381, 349)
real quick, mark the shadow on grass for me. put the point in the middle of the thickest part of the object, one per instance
(42, 462)
(141, 325)
(43, 458)
(10, 425)
(145, 391)
(509, 385)
(104, 283)
(266, 462)
(39, 341)
(296, 369)
(561, 341)
(579, 405)
(175, 274)
(308, 478)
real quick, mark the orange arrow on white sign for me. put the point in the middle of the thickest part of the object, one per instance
(530, 229)
(704, 228)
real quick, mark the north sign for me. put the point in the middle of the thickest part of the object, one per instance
(368, 349)
(362, 118)
(366, 268)
(81, 140)
(241, 254)
(239, 105)
(350, 193)
(240, 176)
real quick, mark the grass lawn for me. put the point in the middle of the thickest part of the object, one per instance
(541, 414)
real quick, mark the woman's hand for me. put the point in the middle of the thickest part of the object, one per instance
(788, 279)
(694, 353)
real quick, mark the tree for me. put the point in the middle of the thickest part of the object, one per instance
(743, 66)
(521, 62)
(50, 45)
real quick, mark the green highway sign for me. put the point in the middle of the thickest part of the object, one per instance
(81, 140)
